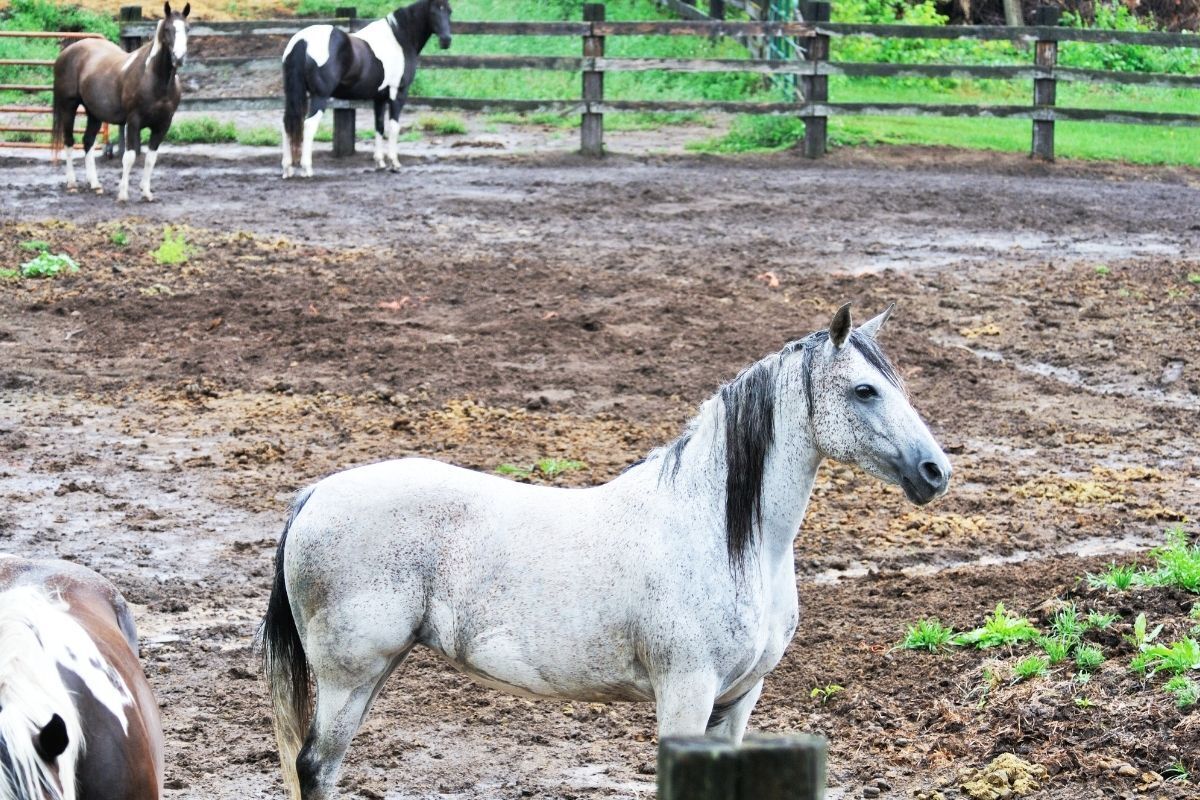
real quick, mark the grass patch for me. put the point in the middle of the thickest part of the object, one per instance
(1185, 690)
(1056, 649)
(750, 134)
(442, 124)
(174, 248)
(119, 237)
(545, 467)
(1001, 628)
(1088, 658)
(927, 634)
(259, 137)
(1031, 667)
(202, 130)
(48, 265)
(1118, 578)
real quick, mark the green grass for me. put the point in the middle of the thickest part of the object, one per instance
(1118, 578)
(1174, 659)
(47, 265)
(1001, 628)
(1088, 658)
(442, 124)
(202, 129)
(1031, 667)
(1101, 621)
(545, 467)
(42, 15)
(174, 248)
(927, 634)
(1185, 690)
(1056, 649)
(119, 237)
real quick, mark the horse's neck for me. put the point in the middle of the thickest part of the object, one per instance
(788, 476)
(158, 62)
(414, 25)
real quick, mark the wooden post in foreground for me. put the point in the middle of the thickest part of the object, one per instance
(761, 768)
(1045, 55)
(816, 87)
(344, 118)
(591, 128)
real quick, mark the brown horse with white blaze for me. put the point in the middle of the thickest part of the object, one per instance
(138, 90)
(78, 720)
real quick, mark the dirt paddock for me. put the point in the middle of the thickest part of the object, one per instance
(154, 420)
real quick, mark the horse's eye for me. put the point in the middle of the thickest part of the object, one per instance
(865, 391)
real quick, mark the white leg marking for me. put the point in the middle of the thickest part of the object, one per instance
(393, 130)
(89, 165)
(70, 157)
(310, 130)
(379, 164)
(126, 165)
(148, 167)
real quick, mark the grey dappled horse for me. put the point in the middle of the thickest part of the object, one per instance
(673, 583)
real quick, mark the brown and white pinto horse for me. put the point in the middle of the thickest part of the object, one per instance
(136, 90)
(77, 717)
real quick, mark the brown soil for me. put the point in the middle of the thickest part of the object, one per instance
(154, 420)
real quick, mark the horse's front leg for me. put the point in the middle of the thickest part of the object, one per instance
(133, 145)
(684, 703)
(157, 134)
(394, 107)
(728, 720)
(380, 120)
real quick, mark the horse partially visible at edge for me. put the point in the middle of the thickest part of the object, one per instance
(674, 583)
(136, 90)
(376, 63)
(77, 716)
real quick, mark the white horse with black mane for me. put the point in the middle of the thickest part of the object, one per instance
(674, 583)
(375, 63)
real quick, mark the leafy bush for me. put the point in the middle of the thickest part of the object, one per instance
(927, 634)
(48, 265)
(1114, 15)
(1002, 628)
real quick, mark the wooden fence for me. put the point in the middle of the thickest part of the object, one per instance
(812, 103)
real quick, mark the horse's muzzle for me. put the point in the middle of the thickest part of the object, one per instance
(925, 478)
(444, 42)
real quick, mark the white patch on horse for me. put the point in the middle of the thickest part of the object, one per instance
(148, 167)
(382, 41)
(89, 163)
(316, 37)
(129, 61)
(127, 160)
(180, 49)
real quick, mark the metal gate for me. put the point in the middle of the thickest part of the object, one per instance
(31, 88)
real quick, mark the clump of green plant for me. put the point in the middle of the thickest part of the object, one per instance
(824, 694)
(1031, 667)
(202, 130)
(1141, 637)
(927, 634)
(1001, 628)
(1102, 270)
(1067, 625)
(261, 136)
(1088, 658)
(1118, 578)
(48, 265)
(1084, 702)
(749, 134)
(174, 248)
(1177, 564)
(1101, 622)
(119, 237)
(7, 274)
(1194, 278)
(1056, 649)
(35, 245)
(1175, 658)
(547, 467)
(1185, 690)
(442, 124)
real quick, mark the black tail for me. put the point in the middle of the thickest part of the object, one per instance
(285, 665)
(295, 98)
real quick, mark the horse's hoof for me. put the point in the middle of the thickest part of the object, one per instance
(394, 168)
(72, 190)
(149, 198)
(98, 189)
(122, 198)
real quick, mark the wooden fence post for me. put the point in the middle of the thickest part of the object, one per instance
(816, 87)
(1045, 55)
(762, 768)
(716, 9)
(591, 129)
(344, 118)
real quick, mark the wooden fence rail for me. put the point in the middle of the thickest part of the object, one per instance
(812, 103)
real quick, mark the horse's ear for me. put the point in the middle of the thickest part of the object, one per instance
(871, 327)
(167, 10)
(52, 740)
(187, 9)
(839, 329)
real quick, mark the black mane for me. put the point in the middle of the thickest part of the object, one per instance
(748, 406)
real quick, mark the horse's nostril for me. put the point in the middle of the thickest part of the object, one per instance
(932, 473)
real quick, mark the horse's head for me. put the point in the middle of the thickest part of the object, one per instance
(29, 757)
(439, 20)
(860, 412)
(172, 33)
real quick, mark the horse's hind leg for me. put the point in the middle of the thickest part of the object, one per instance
(316, 109)
(65, 119)
(89, 155)
(380, 118)
(350, 662)
(133, 145)
(394, 128)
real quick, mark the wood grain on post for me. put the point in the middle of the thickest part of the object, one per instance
(1045, 57)
(815, 87)
(762, 768)
(343, 132)
(591, 129)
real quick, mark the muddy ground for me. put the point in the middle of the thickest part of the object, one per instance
(154, 420)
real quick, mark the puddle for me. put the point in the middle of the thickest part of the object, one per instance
(1083, 548)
